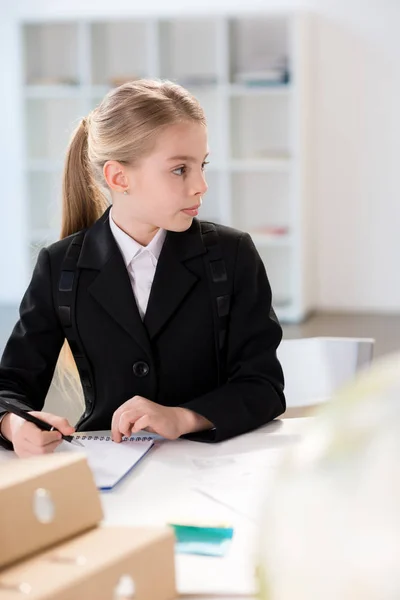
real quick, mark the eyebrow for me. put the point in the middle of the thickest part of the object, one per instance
(186, 158)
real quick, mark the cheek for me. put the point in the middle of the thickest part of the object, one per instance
(150, 189)
(164, 194)
(172, 188)
(161, 193)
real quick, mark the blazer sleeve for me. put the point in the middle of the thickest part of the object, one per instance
(31, 353)
(253, 394)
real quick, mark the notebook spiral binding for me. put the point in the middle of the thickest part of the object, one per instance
(108, 438)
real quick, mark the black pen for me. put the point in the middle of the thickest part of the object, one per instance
(11, 408)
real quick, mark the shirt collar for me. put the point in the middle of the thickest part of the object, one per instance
(130, 248)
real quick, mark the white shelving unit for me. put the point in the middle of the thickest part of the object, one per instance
(251, 75)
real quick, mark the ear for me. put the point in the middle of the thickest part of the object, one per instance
(116, 176)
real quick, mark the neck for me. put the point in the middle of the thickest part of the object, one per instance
(142, 233)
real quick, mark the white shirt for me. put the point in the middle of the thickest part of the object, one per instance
(140, 261)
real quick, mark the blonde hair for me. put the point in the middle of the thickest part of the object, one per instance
(124, 128)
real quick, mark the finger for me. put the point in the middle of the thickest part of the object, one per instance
(130, 404)
(59, 423)
(115, 432)
(37, 437)
(127, 420)
(115, 428)
(150, 430)
(33, 450)
(141, 423)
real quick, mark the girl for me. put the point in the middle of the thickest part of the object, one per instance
(168, 320)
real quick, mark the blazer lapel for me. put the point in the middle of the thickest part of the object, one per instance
(112, 287)
(173, 280)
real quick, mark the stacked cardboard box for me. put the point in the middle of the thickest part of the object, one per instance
(53, 547)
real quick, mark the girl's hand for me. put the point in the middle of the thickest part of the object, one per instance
(29, 440)
(168, 421)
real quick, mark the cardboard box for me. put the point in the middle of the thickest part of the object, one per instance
(96, 566)
(44, 500)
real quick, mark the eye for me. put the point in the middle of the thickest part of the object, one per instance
(179, 171)
(203, 166)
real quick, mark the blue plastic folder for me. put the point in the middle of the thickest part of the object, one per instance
(206, 541)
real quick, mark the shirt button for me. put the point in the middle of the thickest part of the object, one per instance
(141, 368)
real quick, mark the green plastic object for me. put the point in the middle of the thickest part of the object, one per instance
(206, 541)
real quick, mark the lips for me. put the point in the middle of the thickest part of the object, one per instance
(196, 207)
(193, 211)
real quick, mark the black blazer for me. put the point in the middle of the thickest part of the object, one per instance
(175, 340)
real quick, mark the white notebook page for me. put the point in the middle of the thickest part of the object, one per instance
(109, 461)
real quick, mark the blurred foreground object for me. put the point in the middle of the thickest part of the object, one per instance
(332, 519)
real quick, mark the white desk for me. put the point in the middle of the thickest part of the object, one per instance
(161, 489)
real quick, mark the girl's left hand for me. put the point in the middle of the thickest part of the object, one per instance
(168, 421)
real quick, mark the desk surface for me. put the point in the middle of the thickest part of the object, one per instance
(165, 486)
(182, 481)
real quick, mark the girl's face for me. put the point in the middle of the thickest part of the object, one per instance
(166, 187)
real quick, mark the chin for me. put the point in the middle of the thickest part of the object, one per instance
(181, 224)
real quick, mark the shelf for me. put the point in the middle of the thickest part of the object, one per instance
(44, 205)
(99, 91)
(260, 126)
(260, 203)
(237, 90)
(66, 92)
(211, 209)
(263, 164)
(50, 123)
(118, 52)
(259, 46)
(51, 53)
(209, 100)
(179, 38)
(207, 88)
(53, 91)
(251, 76)
(279, 262)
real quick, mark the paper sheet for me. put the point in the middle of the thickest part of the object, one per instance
(238, 482)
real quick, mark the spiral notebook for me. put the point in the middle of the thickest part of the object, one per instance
(110, 462)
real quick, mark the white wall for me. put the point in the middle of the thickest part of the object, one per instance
(12, 222)
(358, 136)
(358, 154)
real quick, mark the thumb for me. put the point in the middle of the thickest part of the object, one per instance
(60, 423)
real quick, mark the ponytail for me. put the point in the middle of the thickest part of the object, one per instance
(83, 202)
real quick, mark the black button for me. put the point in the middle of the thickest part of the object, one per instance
(141, 368)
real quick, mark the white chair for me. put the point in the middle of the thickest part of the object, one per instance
(314, 368)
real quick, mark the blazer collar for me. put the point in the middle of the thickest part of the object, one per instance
(99, 244)
(112, 288)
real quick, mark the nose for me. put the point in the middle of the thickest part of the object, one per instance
(200, 186)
